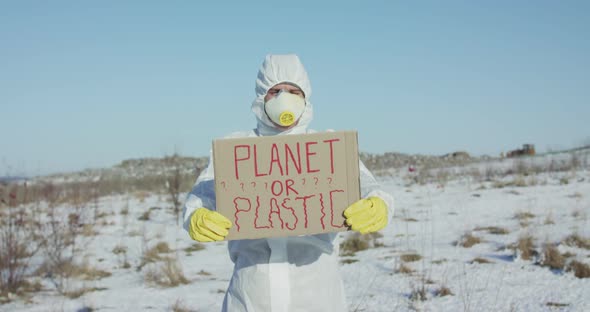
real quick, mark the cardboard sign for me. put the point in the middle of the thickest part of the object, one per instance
(286, 185)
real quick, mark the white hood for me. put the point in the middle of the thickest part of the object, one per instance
(279, 69)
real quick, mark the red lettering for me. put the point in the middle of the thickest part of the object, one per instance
(332, 209)
(284, 205)
(305, 198)
(272, 188)
(289, 183)
(256, 216)
(331, 153)
(274, 158)
(277, 211)
(256, 164)
(289, 154)
(236, 159)
(236, 218)
(308, 153)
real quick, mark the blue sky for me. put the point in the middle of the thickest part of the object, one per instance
(87, 84)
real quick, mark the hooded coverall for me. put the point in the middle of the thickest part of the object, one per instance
(299, 273)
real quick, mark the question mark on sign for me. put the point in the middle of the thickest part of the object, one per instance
(316, 180)
(330, 180)
(303, 181)
(242, 185)
(266, 185)
(223, 183)
(253, 184)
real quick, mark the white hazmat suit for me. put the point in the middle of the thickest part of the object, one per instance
(298, 273)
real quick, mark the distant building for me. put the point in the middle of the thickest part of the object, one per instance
(526, 150)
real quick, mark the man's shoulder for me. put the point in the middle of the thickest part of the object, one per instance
(240, 134)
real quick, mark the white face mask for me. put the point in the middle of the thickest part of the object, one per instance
(285, 108)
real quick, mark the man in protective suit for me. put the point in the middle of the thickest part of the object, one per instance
(299, 273)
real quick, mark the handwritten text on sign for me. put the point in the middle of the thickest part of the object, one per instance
(286, 185)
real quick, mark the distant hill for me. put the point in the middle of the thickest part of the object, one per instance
(11, 179)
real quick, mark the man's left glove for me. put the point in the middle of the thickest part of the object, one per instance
(208, 226)
(367, 215)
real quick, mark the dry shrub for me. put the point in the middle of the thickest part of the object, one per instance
(556, 304)
(404, 269)
(353, 244)
(166, 274)
(552, 258)
(443, 291)
(523, 216)
(549, 220)
(575, 240)
(77, 293)
(580, 269)
(348, 261)
(153, 254)
(525, 247)
(481, 260)
(20, 240)
(410, 257)
(145, 216)
(468, 240)
(179, 306)
(568, 254)
(120, 249)
(493, 230)
(419, 293)
(194, 247)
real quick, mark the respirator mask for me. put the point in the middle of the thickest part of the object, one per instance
(285, 108)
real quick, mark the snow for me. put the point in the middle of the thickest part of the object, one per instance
(428, 220)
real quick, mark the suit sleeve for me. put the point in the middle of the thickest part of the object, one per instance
(202, 194)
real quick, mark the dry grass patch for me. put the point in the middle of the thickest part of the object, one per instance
(580, 269)
(354, 243)
(179, 306)
(194, 247)
(552, 258)
(468, 240)
(412, 257)
(443, 291)
(493, 230)
(348, 261)
(145, 216)
(481, 260)
(523, 216)
(575, 240)
(77, 293)
(525, 247)
(404, 269)
(120, 249)
(556, 304)
(167, 274)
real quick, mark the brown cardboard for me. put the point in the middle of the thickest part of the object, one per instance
(286, 185)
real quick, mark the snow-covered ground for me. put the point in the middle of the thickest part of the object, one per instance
(429, 221)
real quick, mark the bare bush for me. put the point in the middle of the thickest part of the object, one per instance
(411, 257)
(468, 240)
(358, 242)
(493, 230)
(525, 247)
(580, 269)
(576, 240)
(166, 274)
(552, 258)
(19, 241)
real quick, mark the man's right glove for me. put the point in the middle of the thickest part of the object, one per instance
(208, 226)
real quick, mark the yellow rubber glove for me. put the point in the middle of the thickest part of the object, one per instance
(367, 215)
(208, 226)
